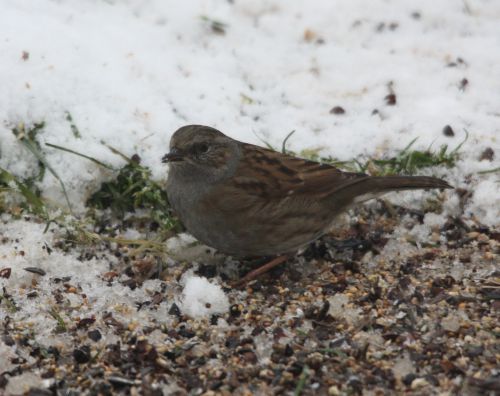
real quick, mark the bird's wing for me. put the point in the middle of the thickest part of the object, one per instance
(272, 175)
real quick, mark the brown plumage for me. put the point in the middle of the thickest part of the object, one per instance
(245, 200)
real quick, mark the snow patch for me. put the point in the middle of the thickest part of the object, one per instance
(485, 203)
(201, 298)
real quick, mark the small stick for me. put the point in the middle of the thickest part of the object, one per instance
(261, 270)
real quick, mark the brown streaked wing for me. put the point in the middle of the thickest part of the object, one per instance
(274, 175)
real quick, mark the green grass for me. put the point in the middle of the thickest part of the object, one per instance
(61, 325)
(80, 155)
(8, 302)
(302, 381)
(28, 138)
(26, 187)
(133, 189)
(32, 201)
(407, 162)
(494, 170)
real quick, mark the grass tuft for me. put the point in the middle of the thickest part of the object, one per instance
(61, 325)
(27, 137)
(134, 189)
(131, 189)
(409, 161)
(33, 203)
(406, 162)
(8, 302)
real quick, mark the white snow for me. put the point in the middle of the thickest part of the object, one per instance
(7, 353)
(485, 203)
(201, 298)
(22, 383)
(85, 292)
(131, 72)
(339, 308)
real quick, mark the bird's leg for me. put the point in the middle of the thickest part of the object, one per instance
(260, 270)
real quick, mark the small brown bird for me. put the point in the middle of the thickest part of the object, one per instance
(249, 201)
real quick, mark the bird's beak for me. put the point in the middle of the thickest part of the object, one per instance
(174, 156)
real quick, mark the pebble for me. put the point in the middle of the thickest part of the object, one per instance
(451, 323)
(418, 383)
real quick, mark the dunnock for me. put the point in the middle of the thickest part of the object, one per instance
(248, 201)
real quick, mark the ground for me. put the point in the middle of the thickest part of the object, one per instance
(402, 297)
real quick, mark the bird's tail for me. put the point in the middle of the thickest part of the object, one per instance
(395, 183)
(371, 187)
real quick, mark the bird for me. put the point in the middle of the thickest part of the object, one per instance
(249, 201)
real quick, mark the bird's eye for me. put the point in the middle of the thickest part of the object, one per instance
(201, 148)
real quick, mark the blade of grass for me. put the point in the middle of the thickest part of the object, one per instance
(268, 145)
(30, 146)
(405, 150)
(489, 171)
(81, 155)
(361, 167)
(283, 145)
(117, 152)
(455, 150)
(302, 381)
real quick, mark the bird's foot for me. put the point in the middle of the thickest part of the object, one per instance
(259, 271)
